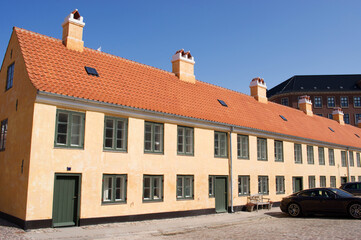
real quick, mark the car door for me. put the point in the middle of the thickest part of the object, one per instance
(330, 203)
(310, 201)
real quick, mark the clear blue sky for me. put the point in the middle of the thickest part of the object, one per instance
(231, 41)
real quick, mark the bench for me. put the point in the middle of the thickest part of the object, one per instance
(260, 200)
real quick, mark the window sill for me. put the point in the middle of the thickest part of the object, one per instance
(241, 158)
(298, 163)
(152, 201)
(280, 193)
(156, 153)
(280, 161)
(184, 199)
(67, 147)
(114, 203)
(115, 151)
(264, 160)
(185, 154)
(243, 195)
(225, 157)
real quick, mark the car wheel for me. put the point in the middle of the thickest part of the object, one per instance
(355, 210)
(294, 210)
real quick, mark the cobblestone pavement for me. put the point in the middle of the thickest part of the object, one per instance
(241, 225)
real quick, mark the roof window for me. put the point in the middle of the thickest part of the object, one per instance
(91, 71)
(331, 129)
(284, 119)
(222, 103)
(357, 135)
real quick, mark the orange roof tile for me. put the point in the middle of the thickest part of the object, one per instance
(54, 68)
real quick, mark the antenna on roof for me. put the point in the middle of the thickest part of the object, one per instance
(99, 49)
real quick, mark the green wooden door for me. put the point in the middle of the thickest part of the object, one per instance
(297, 184)
(66, 200)
(221, 194)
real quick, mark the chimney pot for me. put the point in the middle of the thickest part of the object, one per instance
(337, 115)
(183, 66)
(73, 31)
(305, 105)
(258, 89)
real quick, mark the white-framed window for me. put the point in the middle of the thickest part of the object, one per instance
(242, 146)
(263, 185)
(185, 186)
(278, 151)
(243, 185)
(353, 179)
(262, 149)
(114, 188)
(280, 184)
(310, 155)
(331, 102)
(357, 101)
(344, 102)
(318, 102)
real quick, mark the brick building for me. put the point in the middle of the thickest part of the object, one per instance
(325, 91)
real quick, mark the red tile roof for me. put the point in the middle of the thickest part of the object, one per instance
(54, 68)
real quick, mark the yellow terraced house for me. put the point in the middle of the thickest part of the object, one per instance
(88, 137)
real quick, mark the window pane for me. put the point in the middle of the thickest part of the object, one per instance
(210, 186)
(180, 139)
(146, 192)
(188, 187)
(157, 138)
(148, 137)
(120, 189)
(156, 188)
(179, 187)
(75, 130)
(107, 188)
(189, 140)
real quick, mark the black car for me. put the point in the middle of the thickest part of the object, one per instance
(322, 200)
(352, 187)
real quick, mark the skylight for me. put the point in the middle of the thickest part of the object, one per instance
(331, 129)
(91, 71)
(284, 119)
(222, 103)
(357, 135)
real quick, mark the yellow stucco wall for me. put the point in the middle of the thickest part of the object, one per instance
(92, 162)
(13, 182)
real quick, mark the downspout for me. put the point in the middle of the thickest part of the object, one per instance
(231, 167)
(347, 165)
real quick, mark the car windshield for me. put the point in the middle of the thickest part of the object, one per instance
(341, 193)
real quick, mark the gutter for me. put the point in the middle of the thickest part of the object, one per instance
(231, 167)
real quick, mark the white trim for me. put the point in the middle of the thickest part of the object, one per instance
(91, 105)
(256, 83)
(178, 56)
(70, 19)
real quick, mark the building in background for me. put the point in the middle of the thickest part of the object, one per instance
(88, 137)
(326, 93)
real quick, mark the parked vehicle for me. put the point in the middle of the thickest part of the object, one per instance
(322, 200)
(352, 187)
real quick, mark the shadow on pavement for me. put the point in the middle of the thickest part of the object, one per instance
(310, 216)
(4, 223)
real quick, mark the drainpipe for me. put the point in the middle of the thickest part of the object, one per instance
(231, 167)
(347, 165)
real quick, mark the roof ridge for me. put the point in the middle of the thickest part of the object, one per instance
(99, 52)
